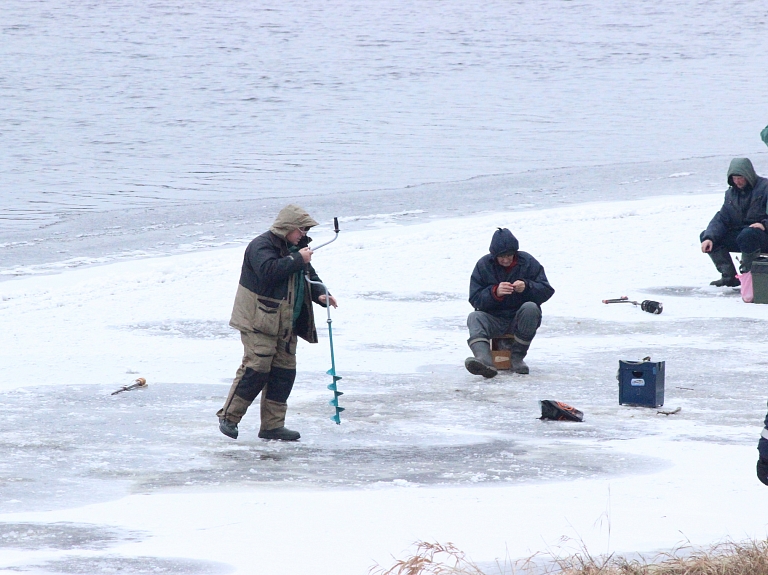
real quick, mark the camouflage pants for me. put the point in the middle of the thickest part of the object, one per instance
(269, 368)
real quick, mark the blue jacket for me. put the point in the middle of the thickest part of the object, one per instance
(741, 208)
(488, 273)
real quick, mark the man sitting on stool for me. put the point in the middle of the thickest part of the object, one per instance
(506, 289)
(740, 224)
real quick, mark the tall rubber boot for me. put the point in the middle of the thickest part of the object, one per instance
(482, 362)
(518, 351)
(273, 421)
(747, 260)
(724, 264)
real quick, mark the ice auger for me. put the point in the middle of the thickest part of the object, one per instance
(648, 305)
(332, 372)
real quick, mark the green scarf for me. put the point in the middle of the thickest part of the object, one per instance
(298, 303)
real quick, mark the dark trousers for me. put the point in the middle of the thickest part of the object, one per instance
(745, 240)
(484, 326)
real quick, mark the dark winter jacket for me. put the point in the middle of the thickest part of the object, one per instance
(488, 274)
(762, 445)
(267, 281)
(741, 208)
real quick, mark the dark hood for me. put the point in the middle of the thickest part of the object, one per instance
(503, 242)
(742, 167)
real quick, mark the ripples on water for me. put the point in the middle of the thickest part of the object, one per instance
(131, 105)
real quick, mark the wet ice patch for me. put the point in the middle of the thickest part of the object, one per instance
(425, 296)
(189, 329)
(732, 329)
(63, 536)
(686, 291)
(131, 566)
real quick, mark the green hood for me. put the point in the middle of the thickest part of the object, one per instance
(742, 167)
(290, 218)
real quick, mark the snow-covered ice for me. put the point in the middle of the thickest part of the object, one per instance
(143, 143)
(425, 451)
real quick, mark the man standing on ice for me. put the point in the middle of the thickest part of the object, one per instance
(507, 289)
(740, 225)
(273, 305)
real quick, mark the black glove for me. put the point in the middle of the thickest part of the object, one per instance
(762, 470)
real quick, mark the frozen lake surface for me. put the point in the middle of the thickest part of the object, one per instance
(143, 481)
(132, 130)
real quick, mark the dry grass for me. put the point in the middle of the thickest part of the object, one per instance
(748, 558)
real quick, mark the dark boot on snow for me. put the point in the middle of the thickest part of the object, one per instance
(281, 433)
(726, 282)
(724, 264)
(517, 351)
(228, 428)
(747, 260)
(482, 362)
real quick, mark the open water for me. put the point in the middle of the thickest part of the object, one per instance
(132, 128)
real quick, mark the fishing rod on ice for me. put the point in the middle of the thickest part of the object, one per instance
(332, 372)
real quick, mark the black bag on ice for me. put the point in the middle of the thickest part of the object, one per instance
(559, 411)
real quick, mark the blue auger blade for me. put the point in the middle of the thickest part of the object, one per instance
(336, 393)
(335, 400)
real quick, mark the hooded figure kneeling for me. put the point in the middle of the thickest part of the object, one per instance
(507, 289)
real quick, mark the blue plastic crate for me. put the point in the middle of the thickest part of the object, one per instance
(641, 383)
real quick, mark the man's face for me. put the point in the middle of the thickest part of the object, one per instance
(739, 181)
(295, 236)
(506, 260)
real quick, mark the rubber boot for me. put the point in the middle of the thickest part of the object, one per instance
(746, 261)
(281, 433)
(724, 264)
(518, 351)
(273, 421)
(482, 362)
(228, 428)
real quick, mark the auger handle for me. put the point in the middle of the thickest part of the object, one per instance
(335, 229)
(622, 299)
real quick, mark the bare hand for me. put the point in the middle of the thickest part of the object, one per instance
(758, 225)
(306, 254)
(505, 288)
(519, 286)
(321, 299)
(706, 246)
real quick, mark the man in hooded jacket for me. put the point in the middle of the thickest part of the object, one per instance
(740, 225)
(506, 289)
(272, 307)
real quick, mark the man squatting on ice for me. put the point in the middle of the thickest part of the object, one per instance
(740, 225)
(507, 289)
(273, 305)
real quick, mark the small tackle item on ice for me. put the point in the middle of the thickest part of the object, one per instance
(654, 307)
(740, 225)
(559, 411)
(138, 383)
(506, 290)
(273, 307)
